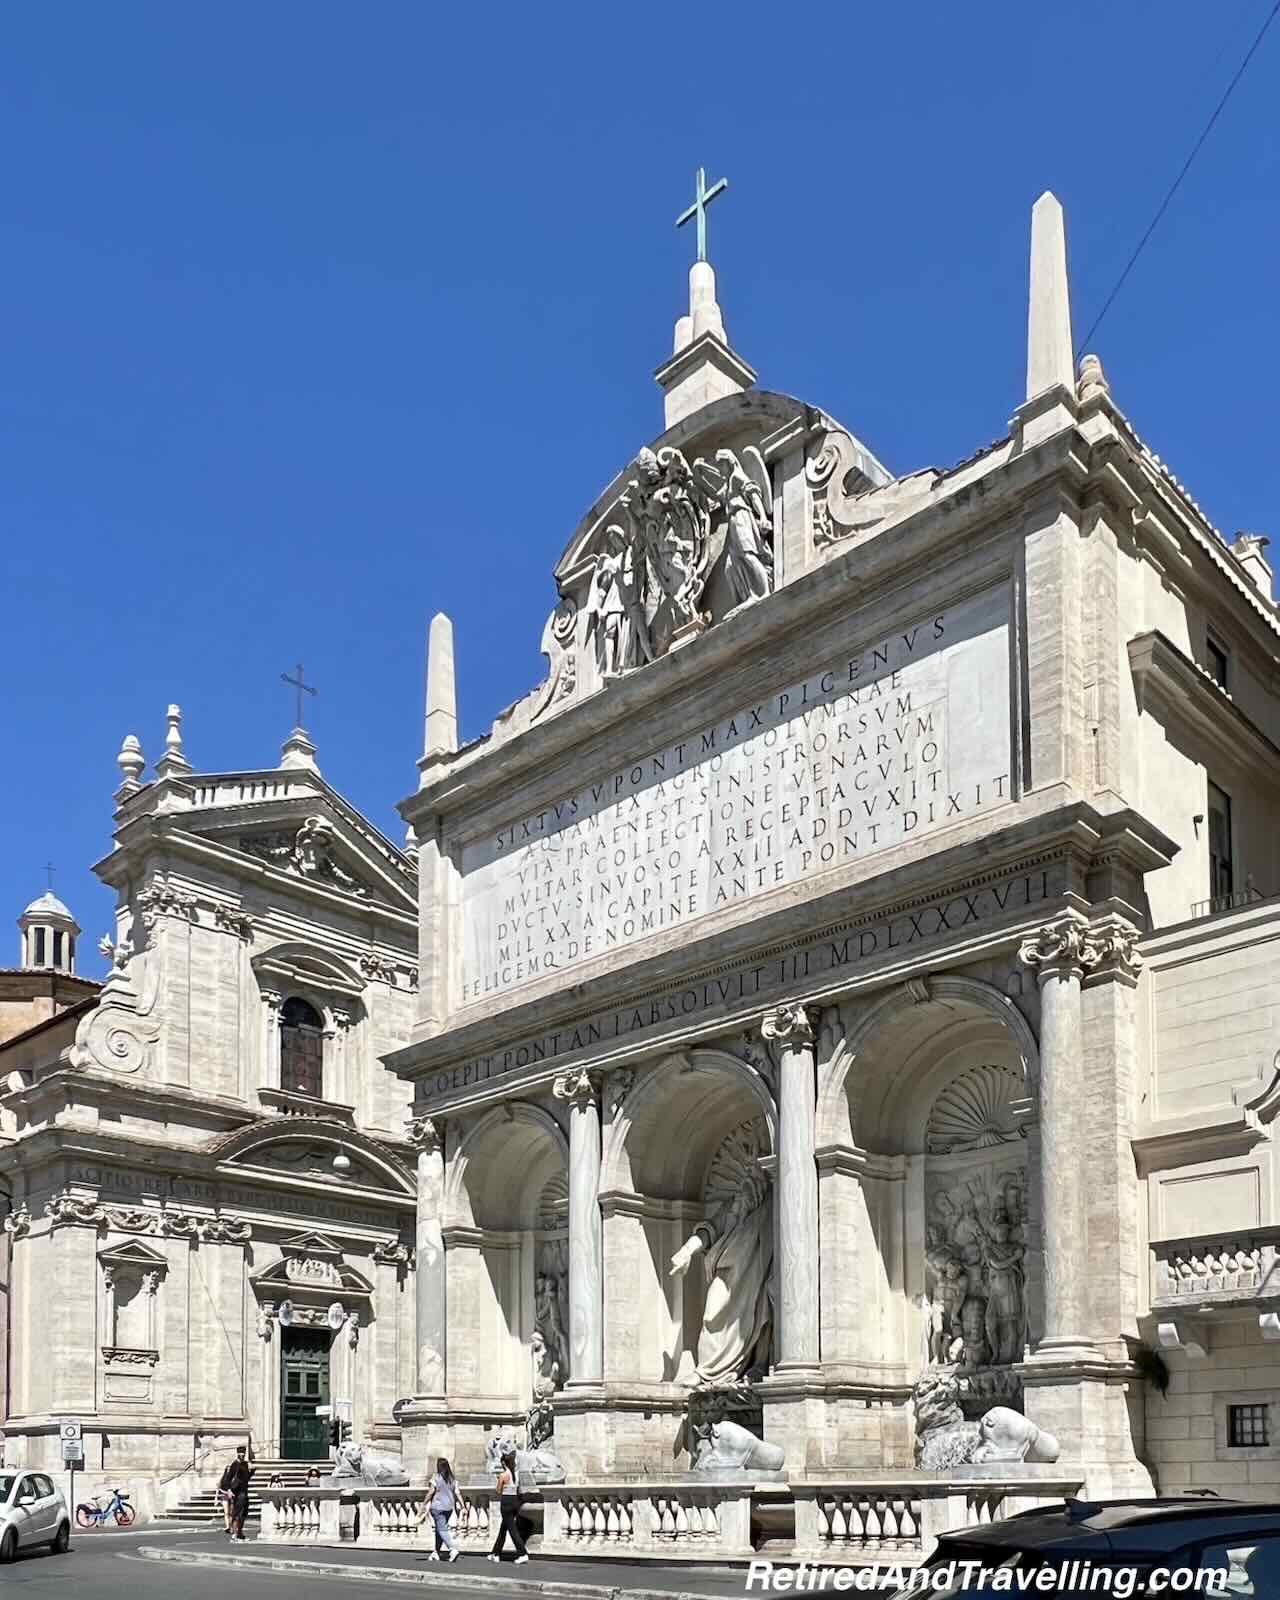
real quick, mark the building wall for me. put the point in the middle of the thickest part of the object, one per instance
(1186, 1428)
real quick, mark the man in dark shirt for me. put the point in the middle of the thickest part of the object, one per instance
(235, 1482)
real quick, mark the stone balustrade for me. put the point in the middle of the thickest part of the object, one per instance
(897, 1520)
(1215, 1269)
(894, 1519)
(660, 1518)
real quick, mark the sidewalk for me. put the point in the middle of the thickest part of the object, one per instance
(552, 1577)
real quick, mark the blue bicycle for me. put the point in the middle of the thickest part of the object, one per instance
(93, 1514)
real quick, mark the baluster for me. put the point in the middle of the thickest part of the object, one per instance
(841, 1527)
(910, 1524)
(873, 1518)
(858, 1528)
(668, 1521)
(626, 1526)
(575, 1520)
(613, 1527)
(710, 1522)
(682, 1519)
(889, 1522)
(693, 1517)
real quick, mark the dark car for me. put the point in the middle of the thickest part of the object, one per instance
(1140, 1541)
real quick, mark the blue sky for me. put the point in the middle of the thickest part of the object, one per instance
(319, 318)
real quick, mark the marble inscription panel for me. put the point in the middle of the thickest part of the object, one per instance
(890, 741)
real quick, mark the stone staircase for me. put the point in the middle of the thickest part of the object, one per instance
(202, 1507)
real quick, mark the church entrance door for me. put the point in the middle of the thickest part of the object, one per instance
(304, 1385)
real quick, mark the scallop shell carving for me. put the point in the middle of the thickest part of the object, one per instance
(975, 1111)
(553, 1207)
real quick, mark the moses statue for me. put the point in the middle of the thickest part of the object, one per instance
(735, 1245)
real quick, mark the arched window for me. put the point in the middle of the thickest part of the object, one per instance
(301, 1049)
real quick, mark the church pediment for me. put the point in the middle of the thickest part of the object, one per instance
(313, 836)
(312, 1280)
(294, 963)
(134, 1255)
(305, 1148)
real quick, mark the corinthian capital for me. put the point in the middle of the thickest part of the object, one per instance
(425, 1134)
(1115, 946)
(790, 1024)
(1059, 946)
(579, 1088)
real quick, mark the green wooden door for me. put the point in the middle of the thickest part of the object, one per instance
(304, 1385)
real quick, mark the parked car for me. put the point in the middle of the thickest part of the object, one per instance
(32, 1511)
(1240, 1538)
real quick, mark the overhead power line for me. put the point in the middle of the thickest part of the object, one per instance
(1186, 167)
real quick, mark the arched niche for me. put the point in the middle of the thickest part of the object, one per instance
(662, 1145)
(947, 1048)
(505, 1212)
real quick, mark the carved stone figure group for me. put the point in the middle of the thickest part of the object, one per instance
(683, 522)
(975, 1253)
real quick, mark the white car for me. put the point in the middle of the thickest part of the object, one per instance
(32, 1511)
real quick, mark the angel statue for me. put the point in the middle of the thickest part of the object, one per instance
(736, 1246)
(744, 493)
(615, 608)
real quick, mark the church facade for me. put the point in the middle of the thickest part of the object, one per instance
(210, 1226)
(846, 984)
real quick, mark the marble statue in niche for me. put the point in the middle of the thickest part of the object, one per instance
(735, 1246)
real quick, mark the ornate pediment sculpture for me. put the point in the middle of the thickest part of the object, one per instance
(310, 853)
(685, 525)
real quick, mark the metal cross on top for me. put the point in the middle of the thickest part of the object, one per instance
(302, 688)
(702, 198)
(50, 869)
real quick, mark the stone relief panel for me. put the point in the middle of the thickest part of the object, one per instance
(310, 852)
(976, 1222)
(685, 530)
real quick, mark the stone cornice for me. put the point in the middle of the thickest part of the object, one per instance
(1165, 677)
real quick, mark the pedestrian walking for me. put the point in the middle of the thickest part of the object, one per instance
(235, 1485)
(510, 1500)
(440, 1505)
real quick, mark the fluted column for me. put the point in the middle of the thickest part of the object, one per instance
(797, 1188)
(427, 1137)
(581, 1091)
(1059, 954)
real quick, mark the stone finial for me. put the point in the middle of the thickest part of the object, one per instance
(411, 844)
(441, 734)
(1049, 363)
(1248, 549)
(1092, 380)
(298, 752)
(702, 367)
(173, 763)
(131, 762)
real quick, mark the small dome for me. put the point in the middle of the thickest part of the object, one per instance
(48, 905)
